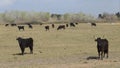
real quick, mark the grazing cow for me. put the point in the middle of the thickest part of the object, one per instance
(6, 25)
(102, 47)
(40, 23)
(93, 24)
(66, 25)
(76, 23)
(47, 28)
(13, 24)
(30, 26)
(21, 27)
(61, 27)
(24, 43)
(53, 25)
(72, 25)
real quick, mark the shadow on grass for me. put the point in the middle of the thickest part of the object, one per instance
(92, 58)
(21, 53)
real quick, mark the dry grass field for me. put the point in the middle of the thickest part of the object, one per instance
(69, 48)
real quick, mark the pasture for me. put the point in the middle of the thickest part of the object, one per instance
(73, 47)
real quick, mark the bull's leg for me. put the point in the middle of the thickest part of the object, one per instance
(99, 54)
(102, 55)
(22, 49)
(31, 49)
(107, 53)
(98, 50)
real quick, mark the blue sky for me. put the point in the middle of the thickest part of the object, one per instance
(93, 7)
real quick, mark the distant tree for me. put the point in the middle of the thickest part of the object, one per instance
(44, 16)
(56, 16)
(80, 17)
(36, 17)
(118, 14)
(107, 17)
(8, 17)
(100, 16)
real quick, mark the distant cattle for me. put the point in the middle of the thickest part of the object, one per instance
(72, 25)
(93, 24)
(66, 25)
(6, 25)
(61, 27)
(21, 27)
(41, 24)
(102, 47)
(30, 26)
(47, 28)
(53, 25)
(24, 43)
(13, 24)
(76, 23)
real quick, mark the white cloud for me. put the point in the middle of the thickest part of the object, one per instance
(6, 2)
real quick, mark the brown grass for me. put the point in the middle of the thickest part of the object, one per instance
(68, 48)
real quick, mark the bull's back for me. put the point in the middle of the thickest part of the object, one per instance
(105, 44)
(29, 40)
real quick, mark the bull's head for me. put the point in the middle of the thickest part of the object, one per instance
(98, 39)
(18, 38)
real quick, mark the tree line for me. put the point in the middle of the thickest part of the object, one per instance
(107, 17)
(46, 17)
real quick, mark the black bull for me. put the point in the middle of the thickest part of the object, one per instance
(24, 43)
(21, 27)
(102, 47)
(93, 24)
(61, 27)
(47, 28)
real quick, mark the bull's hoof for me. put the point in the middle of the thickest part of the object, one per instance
(31, 52)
